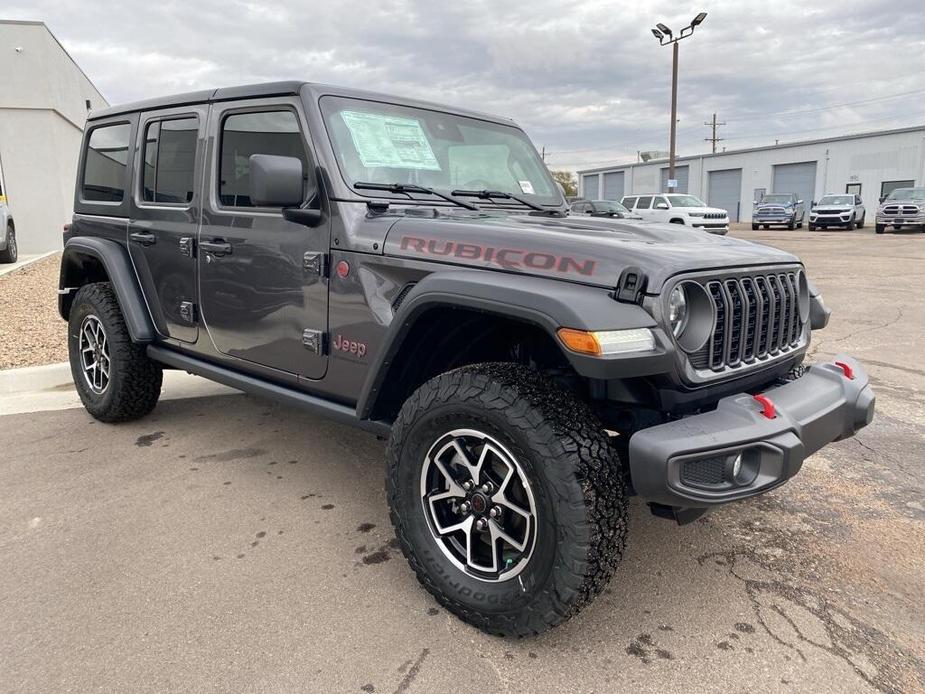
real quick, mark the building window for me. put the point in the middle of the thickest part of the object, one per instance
(853, 188)
(104, 163)
(170, 160)
(888, 187)
(244, 134)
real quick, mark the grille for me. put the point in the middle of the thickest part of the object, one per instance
(714, 215)
(757, 318)
(900, 210)
(772, 210)
(707, 472)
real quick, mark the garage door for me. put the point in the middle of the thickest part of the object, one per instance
(724, 190)
(796, 178)
(590, 186)
(613, 186)
(681, 173)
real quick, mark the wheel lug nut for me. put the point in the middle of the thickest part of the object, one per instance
(481, 524)
(464, 507)
(467, 485)
(495, 512)
(486, 488)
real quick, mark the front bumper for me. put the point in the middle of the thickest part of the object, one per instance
(720, 228)
(772, 220)
(690, 462)
(901, 221)
(831, 220)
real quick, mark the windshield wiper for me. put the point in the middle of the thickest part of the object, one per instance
(489, 194)
(407, 188)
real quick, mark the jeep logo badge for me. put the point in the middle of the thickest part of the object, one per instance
(342, 344)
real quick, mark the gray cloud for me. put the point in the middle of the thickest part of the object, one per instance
(586, 79)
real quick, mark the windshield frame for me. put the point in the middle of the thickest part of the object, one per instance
(330, 104)
(767, 199)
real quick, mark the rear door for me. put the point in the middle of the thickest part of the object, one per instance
(263, 288)
(164, 217)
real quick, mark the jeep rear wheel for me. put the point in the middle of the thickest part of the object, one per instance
(507, 497)
(115, 379)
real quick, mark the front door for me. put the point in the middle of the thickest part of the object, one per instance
(263, 299)
(164, 216)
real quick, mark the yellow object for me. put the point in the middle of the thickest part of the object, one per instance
(580, 341)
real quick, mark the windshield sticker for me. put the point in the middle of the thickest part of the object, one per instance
(526, 187)
(390, 141)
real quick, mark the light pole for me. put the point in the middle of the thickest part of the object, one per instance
(665, 37)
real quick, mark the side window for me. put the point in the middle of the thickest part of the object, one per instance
(170, 160)
(644, 202)
(259, 132)
(104, 163)
(659, 200)
(857, 200)
(629, 203)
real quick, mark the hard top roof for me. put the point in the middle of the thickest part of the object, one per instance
(285, 88)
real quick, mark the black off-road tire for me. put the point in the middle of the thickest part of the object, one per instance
(10, 253)
(879, 228)
(578, 483)
(135, 380)
(754, 227)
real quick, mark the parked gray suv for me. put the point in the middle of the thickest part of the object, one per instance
(409, 269)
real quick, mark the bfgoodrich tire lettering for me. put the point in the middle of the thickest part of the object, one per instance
(133, 384)
(572, 469)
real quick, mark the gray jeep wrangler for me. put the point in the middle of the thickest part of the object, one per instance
(409, 269)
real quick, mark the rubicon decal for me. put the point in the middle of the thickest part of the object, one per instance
(508, 258)
(342, 344)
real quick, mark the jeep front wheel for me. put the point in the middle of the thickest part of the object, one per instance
(115, 379)
(507, 497)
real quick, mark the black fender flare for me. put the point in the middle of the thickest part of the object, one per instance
(118, 267)
(545, 303)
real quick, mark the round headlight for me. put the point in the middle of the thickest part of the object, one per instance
(677, 310)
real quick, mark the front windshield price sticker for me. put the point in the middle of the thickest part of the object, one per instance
(390, 141)
(526, 187)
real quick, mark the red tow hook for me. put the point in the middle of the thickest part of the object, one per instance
(849, 372)
(767, 407)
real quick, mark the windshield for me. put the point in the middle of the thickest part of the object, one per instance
(837, 200)
(610, 206)
(777, 199)
(686, 201)
(907, 194)
(388, 143)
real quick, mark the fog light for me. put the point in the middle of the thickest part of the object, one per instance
(736, 466)
(742, 468)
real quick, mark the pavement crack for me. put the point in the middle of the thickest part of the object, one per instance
(412, 673)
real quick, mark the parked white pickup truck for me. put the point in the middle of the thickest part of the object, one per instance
(679, 208)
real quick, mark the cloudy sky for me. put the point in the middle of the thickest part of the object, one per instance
(586, 79)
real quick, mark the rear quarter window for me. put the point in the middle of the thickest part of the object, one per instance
(105, 163)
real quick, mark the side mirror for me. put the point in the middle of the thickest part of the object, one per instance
(276, 181)
(661, 206)
(799, 202)
(882, 198)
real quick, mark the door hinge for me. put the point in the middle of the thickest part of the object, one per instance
(316, 263)
(187, 246)
(314, 341)
(188, 311)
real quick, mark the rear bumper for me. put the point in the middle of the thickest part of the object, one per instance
(690, 463)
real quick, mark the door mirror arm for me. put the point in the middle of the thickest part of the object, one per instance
(306, 216)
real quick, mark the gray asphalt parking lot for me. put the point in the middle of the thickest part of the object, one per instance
(227, 543)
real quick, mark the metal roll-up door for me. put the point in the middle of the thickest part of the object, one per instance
(613, 186)
(724, 190)
(590, 186)
(682, 174)
(796, 178)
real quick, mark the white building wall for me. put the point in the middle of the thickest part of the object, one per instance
(42, 114)
(869, 160)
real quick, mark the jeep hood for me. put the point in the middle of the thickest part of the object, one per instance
(589, 250)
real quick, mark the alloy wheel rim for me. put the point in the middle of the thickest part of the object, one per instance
(94, 354)
(479, 505)
(12, 242)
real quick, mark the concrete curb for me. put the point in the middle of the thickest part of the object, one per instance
(20, 264)
(50, 387)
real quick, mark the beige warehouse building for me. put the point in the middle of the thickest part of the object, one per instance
(44, 100)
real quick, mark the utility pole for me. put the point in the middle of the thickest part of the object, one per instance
(666, 36)
(713, 139)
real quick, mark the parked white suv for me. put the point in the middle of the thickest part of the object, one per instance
(679, 208)
(835, 210)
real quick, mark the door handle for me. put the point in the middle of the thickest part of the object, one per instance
(145, 238)
(217, 247)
